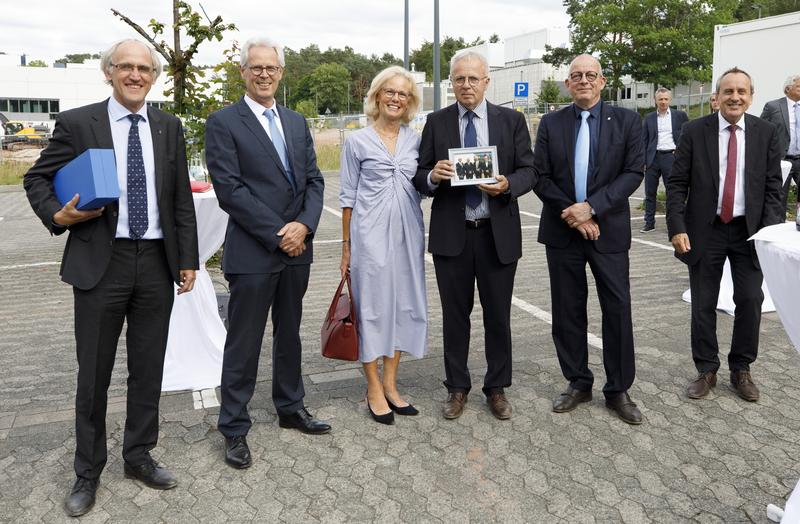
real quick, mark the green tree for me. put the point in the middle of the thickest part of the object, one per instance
(306, 108)
(37, 63)
(329, 83)
(422, 57)
(78, 58)
(751, 9)
(550, 93)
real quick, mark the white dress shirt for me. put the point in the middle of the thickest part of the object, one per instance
(258, 110)
(794, 145)
(120, 128)
(724, 137)
(665, 140)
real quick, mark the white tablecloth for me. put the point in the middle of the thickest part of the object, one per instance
(196, 333)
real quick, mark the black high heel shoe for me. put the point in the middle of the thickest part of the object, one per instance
(403, 410)
(386, 418)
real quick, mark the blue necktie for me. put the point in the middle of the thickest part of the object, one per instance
(796, 130)
(280, 146)
(473, 197)
(582, 147)
(137, 182)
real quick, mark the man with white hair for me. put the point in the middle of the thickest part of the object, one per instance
(261, 159)
(475, 230)
(121, 260)
(785, 114)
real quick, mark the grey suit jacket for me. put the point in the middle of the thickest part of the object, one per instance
(89, 246)
(253, 188)
(777, 113)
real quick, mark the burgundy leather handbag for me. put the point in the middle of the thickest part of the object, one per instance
(339, 333)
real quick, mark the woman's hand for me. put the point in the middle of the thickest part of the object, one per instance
(344, 266)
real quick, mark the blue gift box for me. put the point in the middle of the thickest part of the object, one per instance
(93, 175)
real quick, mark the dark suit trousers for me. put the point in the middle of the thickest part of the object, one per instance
(726, 240)
(662, 167)
(252, 296)
(569, 294)
(794, 174)
(456, 278)
(137, 286)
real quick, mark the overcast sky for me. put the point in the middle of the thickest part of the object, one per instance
(49, 29)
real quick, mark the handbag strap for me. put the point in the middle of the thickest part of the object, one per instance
(338, 293)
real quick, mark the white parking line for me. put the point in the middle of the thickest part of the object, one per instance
(652, 244)
(23, 266)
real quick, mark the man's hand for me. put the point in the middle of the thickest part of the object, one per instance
(443, 170)
(69, 214)
(495, 189)
(681, 243)
(187, 281)
(589, 230)
(577, 214)
(294, 238)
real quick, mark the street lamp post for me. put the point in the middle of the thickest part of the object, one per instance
(758, 7)
(437, 80)
(405, 39)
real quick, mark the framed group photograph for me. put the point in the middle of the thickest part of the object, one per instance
(474, 165)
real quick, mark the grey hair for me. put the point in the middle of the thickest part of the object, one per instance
(105, 60)
(731, 71)
(663, 90)
(467, 54)
(789, 81)
(261, 41)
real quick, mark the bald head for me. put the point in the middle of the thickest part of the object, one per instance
(585, 81)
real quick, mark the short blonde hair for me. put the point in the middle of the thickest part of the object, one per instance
(371, 105)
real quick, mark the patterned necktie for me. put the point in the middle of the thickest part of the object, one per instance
(473, 196)
(137, 183)
(582, 147)
(280, 146)
(729, 189)
(796, 130)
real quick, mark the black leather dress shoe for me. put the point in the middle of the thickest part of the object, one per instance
(151, 475)
(81, 498)
(237, 453)
(569, 399)
(625, 408)
(303, 421)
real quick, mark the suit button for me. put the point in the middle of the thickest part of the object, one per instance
(113, 213)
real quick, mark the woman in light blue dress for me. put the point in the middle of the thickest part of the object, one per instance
(384, 239)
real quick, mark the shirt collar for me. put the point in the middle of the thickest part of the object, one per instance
(594, 110)
(257, 108)
(724, 124)
(791, 102)
(666, 113)
(117, 111)
(480, 110)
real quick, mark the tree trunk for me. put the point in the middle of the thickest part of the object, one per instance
(178, 75)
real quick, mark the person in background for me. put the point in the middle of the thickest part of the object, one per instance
(784, 113)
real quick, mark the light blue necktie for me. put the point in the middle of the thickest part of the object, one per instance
(582, 147)
(796, 130)
(280, 145)
(473, 196)
(137, 182)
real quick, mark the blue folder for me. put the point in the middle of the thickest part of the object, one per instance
(93, 175)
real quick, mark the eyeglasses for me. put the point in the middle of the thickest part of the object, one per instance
(259, 70)
(590, 76)
(388, 94)
(473, 80)
(129, 68)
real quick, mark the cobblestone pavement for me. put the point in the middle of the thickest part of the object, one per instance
(714, 460)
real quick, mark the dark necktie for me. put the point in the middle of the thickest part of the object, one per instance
(137, 182)
(280, 145)
(729, 189)
(473, 197)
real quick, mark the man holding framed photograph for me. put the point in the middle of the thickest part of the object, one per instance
(475, 230)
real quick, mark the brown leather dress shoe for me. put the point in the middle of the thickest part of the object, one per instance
(742, 382)
(569, 399)
(499, 406)
(701, 386)
(454, 406)
(625, 408)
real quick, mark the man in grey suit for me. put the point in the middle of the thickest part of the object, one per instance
(261, 159)
(121, 260)
(785, 114)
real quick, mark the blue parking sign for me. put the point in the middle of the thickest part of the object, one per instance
(521, 89)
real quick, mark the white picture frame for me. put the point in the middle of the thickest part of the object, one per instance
(474, 165)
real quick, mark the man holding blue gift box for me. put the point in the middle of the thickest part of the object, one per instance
(121, 259)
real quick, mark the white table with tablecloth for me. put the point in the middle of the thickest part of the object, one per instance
(196, 333)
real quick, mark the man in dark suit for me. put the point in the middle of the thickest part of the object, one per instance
(662, 132)
(121, 260)
(475, 230)
(784, 113)
(588, 160)
(261, 159)
(725, 186)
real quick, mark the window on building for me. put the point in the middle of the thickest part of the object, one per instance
(23, 105)
(3, 104)
(625, 93)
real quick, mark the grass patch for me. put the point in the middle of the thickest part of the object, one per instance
(328, 157)
(11, 172)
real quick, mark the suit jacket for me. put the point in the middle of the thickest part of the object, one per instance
(253, 188)
(693, 186)
(509, 132)
(616, 175)
(678, 118)
(90, 243)
(777, 113)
